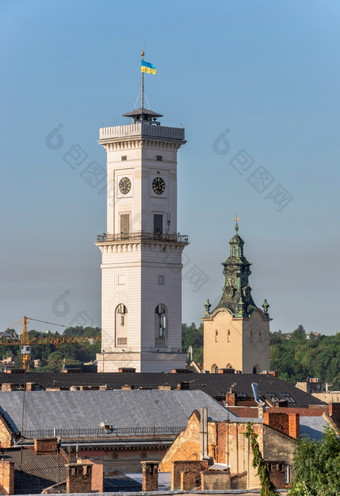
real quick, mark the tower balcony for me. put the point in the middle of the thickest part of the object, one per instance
(141, 130)
(143, 236)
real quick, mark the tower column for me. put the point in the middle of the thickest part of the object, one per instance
(141, 251)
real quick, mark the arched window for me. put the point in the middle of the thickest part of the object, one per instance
(251, 335)
(228, 336)
(233, 251)
(161, 325)
(260, 336)
(214, 369)
(255, 369)
(121, 325)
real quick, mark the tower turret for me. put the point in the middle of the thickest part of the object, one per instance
(236, 332)
(236, 295)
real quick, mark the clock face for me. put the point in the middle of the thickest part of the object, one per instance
(125, 185)
(158, 185)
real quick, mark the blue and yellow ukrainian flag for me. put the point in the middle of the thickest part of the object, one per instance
(147, 67)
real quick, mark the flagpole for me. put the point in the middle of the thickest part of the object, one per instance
(142, 85)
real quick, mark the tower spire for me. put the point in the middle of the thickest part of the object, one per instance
(236, 295)
(142, 84)
(236, 223)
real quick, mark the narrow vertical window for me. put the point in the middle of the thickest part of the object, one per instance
(158, 224)
(124, 224)
(161, 325)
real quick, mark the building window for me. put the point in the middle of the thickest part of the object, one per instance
(161, 325)
(124, 157)
(251, 335)
(158, 224)
(121, 325)
(124, 224)
(161, 280)
(260, 336)
(216, 336)
(287, 474)
(228, 336)
(159, 158)
(288, 397)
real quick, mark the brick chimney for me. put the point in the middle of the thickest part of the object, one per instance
(6, 386)
(78, 477)
(7, 475)
(150, 476)
(294, 425)
(183, 386)
(288, 423)
(230, 399)
(226, 371)
(334, 412)
(43, 446)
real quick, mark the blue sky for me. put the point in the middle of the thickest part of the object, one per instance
(256, 86)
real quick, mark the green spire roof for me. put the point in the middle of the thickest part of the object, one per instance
(236, 295)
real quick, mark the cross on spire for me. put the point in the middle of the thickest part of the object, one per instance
(236, 223)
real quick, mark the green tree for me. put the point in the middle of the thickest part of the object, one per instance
(191, 336)
(317, 466)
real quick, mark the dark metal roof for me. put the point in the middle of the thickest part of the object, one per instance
(39, 413)
(142, 111)
(33, 473)
(215, 385)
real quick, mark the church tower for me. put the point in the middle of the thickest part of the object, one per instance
(236, 332)
(141, 250)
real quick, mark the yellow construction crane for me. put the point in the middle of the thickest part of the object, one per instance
(26, 343)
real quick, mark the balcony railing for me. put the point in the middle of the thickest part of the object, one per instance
(143, 236)
(161, 341)
(141, 130)
(110, 432)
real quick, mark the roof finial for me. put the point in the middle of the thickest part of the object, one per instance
(236, 223)
(142, 84)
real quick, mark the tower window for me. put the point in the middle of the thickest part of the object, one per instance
(161, 325)
(251, 335)
(124, 223)
(161, 279)
(216, 336)
(260, 336)
(158, 224)
(159, 158)
(124, 157)
(228, 336)
(121, 325)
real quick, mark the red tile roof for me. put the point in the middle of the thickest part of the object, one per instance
(244, 411)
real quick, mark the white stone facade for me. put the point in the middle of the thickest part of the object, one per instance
(141, 253)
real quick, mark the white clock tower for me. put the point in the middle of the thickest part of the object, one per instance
(141, 251)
